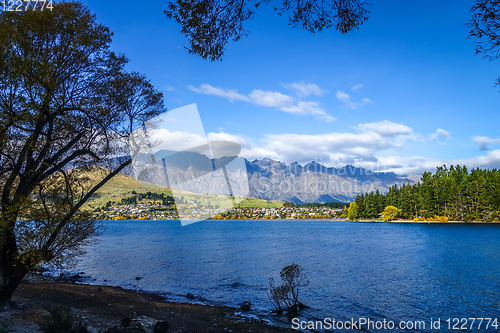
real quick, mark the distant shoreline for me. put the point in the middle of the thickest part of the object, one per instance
(425, 222)
(324, 220)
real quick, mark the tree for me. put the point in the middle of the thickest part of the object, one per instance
(371, 206)
(287, 294)
(210, 25)
(353, 211)
(66, 104)
(390, 213)
(360, 202)
(454, 192)
(485, 26)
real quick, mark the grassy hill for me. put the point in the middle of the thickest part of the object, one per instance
(122, 186)
(118, 187)
(260, 203)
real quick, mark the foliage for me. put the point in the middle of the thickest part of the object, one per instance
(485, 27)
(286, 295)
(454, 193)
(61, 320)
(439, 218)
(331, 205)
(390, 213)
(353, 211)
(210, 25)
(165, 199)
(66, 104)
(50, 203)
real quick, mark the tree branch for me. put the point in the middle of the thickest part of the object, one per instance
(68, 159)
(75, 208)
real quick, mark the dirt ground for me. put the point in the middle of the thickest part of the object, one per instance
(103, 307)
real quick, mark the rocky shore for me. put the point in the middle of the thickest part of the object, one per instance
(114, 309)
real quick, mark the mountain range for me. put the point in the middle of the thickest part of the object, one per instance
(313, 182)
(267, 178)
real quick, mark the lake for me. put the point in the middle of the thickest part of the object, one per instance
(397, 272)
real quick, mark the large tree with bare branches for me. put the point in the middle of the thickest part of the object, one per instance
(66, 104)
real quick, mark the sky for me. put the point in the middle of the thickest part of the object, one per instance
(403, 93)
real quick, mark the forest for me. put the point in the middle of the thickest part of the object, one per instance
(331, 205)
(455, 194)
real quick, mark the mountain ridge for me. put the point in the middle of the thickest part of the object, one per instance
(270, 179)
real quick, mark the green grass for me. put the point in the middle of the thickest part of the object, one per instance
(61, 320)
(118, 187)
(259, 203)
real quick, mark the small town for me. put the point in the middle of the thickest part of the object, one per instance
(157, 211)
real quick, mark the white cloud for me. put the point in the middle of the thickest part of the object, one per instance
(249, 149)
(303, 89)
(311, 108)
(175, 140)
(167, 88)
(272, 99)
(386, 128)
(367, 148)
(419, 164)
(484, 142)
(230, 94)
(222, 136)
(348, 103)
(170, 119)
(372, 148)
(334, 149)
(440, 134)
(357, 87)
(343, 96)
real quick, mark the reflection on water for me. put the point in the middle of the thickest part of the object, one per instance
(376, 270)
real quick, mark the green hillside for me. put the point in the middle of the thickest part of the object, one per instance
(121, 186)
(118, 187)
(260, 203)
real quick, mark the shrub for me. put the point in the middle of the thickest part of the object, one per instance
(286, 296)
(496, 218)
(61, 320)
(277, 295)
(439, 218)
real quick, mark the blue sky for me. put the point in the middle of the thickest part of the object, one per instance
(404, 93)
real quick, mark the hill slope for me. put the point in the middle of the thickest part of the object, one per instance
(121, 186)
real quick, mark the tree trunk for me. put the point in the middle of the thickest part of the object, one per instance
(11, 280)
(12, 270)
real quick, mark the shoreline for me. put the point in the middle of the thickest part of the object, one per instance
(103, 307)
(425, 222)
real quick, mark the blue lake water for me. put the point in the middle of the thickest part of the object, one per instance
(356, 270)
